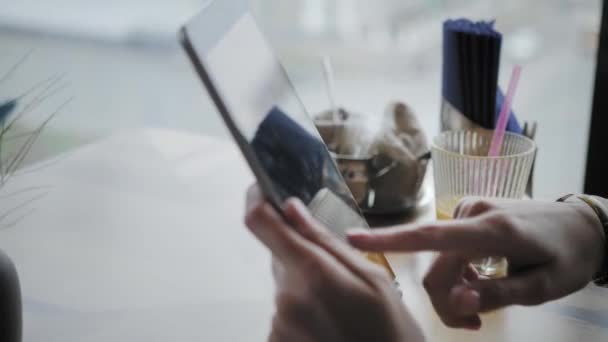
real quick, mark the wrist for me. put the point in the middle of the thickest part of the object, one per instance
(594, 216)
(599, 206)
(592, 222)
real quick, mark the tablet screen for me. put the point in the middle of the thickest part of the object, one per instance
(264, 107)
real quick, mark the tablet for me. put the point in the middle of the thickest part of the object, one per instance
(264, 114)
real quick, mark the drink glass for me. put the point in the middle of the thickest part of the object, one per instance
(461, 168)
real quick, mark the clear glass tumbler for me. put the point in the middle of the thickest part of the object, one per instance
(462, 168)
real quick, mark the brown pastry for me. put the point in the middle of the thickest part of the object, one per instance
(398, 148)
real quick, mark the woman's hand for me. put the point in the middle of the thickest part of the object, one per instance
(553, 249)
(326, 291)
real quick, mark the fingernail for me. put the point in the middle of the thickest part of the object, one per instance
(467, 300)
(358, 232)
(293, 206)
(471, 301)
(291, 202)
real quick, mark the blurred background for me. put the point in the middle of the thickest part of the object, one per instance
(126, 71)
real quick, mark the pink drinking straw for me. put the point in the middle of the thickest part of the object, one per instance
(503, 117)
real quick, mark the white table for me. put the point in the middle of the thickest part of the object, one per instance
(140, 238)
